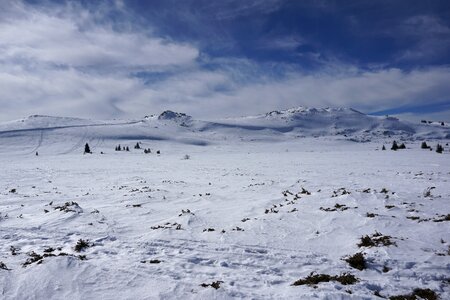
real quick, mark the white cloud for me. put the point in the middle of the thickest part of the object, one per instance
(230, 9)
(72, 38)
(430, 36)
(442, 116)
(367, 91)
(64, 61)
(290, 42)
(67, 60)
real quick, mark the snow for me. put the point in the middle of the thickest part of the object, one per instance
(246, 184)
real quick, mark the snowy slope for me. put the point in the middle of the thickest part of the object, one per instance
(337, 121)
(65, 135)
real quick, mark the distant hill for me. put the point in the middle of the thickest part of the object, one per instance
(65, 135)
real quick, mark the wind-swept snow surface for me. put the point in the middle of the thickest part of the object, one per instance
(219, 214)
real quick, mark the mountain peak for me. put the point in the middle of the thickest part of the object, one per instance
(176, 116)
(311, 110)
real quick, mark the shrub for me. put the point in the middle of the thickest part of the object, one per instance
(313, 279)
(81, 245)
(377, 239)
(214, 284)
(357, 261)
(366, 241)
(3, 266)
(417, 294)
(33, 258)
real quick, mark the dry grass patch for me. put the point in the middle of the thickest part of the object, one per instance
(313, 279)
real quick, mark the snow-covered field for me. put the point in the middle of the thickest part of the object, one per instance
(238, 219)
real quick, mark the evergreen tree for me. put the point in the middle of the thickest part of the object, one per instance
(402, 146)
(424, 145)
(127, 149)
(87, 149)
(439, 148)
(137, 146)
(394, 146)
(384, 148)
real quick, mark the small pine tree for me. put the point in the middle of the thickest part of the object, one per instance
(384, 148)
(424, 145)
(87, 149)
(137, 146)
(439, 148)
(119, 148)
(394, 146)
(127, 149)
(402, 146)
(37, 154)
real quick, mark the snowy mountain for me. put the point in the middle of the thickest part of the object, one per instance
(37, 132)
(337, 121)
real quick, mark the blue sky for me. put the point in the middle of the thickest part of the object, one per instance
(130, 58)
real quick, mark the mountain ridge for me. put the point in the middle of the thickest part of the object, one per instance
(170, 126)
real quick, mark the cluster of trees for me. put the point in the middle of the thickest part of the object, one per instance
(439, 147)
(137, 146)
(87, 149)
(120, 148)
(395, 147)
(148, 150)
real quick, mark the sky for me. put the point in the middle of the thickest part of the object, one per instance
(211, 59)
